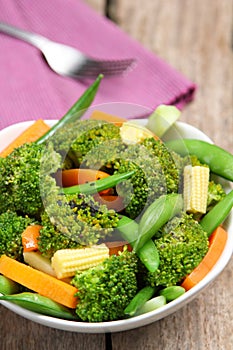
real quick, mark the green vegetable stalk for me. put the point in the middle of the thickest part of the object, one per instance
(76, 111)
(98, 185)
(217, 214)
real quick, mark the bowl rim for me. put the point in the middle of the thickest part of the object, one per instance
(11, 132)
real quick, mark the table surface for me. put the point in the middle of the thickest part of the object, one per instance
(194, 36)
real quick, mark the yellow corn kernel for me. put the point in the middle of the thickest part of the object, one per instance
(196, 180)
(66, 262)
(133, 133)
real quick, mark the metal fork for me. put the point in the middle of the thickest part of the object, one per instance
(67, 60)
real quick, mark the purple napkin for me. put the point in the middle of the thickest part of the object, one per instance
(30, 90)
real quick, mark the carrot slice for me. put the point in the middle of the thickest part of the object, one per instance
(30, 238)
(217, 243)
(112, 202)
(99, 115)
(72, 177)
(117, 246)
(38, 281)
(31, 134)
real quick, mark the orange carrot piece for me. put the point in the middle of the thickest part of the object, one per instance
(217, 243)
(30, 238)
(32, 133)
(112, 202)
(72, 177)
(99, 115)
(38, 281)
(117, 246)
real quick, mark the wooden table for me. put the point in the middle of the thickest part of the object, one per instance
(194, 36)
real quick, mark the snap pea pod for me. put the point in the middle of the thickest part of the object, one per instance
(151, 305)
(139, 300)
(219, 160)
(98, 185)
(40, 304)
(7, 286)
(148, 254)
(172, 292)
(76, 111)
(156, 215)
(217, 214)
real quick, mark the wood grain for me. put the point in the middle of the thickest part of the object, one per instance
(194, 36)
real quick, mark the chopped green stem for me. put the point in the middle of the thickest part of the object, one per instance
(217, 214)
(148, 254)
(219, 160)
(76, 111)
(98, 185)
(157, 215)
(38, 303)
(139, 300)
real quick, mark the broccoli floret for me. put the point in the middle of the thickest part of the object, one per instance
(21, 173)
(105, 290)
(155, 174)
(72, 221)
(181, 247)
(11, 229)
(77, 139)
(215, 194)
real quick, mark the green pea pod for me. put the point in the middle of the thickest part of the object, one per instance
(156, 215)
(98, 185)
(139, 300)
(219, 160)
(217, 214)
(40, 304)
(76, 111)
(7, 286)
(151, 305)
(172, 292)
(148, 254)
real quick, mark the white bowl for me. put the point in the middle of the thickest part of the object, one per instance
(187, 131)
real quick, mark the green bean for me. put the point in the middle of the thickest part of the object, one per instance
(40, 304)
(7, 286)
(219, 160)
(148, 254)
(156, 215)
(217, 214)
(98, 185)
(76, 111)
(139, 300)
(172, 292)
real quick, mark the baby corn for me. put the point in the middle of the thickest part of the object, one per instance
(66, 262)
(196, 180)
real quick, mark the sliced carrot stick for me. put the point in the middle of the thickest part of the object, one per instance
(30, 238)
(217, 243)
(112, 202)
(99, 115)
(38, 281)
(32, 133)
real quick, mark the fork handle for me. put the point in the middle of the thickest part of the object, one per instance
(31, 38)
